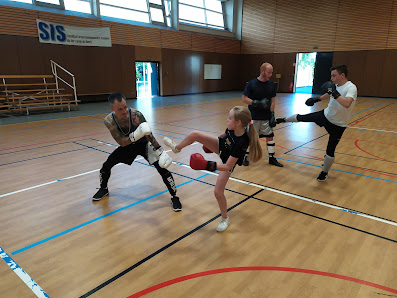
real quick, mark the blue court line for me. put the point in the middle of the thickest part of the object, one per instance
(51, 145)
(166, 246)
(341, 153)
(98, 218)
(4, 164)
(46, 125)
(89, 293)
(367, 109)
(305, 143)
(346, 165)
(336, 170)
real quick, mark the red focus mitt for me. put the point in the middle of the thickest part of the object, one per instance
(198, 162)
(206, 150)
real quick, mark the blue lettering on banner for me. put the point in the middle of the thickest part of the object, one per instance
(60, 31)
(55, 33)
(42, 27)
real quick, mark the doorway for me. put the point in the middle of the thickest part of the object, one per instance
(322, 70)
(147, 79)
(305, 72)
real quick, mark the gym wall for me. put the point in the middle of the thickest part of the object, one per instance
(100, 70)
(361, 33)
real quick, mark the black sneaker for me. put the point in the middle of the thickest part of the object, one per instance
(280, 120)
(100, 194)
(322, 177)
(246, 162)
(176, 205)
(273, 161)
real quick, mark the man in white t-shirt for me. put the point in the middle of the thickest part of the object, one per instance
(343, 95)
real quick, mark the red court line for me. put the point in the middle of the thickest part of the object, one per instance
(356, 143)
(358, 121)
(258, 268)
(370, 141)
(54, 141)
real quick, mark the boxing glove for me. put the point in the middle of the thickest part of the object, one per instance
(198, 162)
(142, 130)
(272, 121)
(311, 101)
(330, 88)
(164, 159)
(263, 104)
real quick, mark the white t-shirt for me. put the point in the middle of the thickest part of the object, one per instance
(335, 112)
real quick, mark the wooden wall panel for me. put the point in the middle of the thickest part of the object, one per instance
(392, 37)
(176, 40)
(250, 67)
(258, 25)
(98, 70)
(133, 35)
(371, 84)
(282, 26)
(9, 60)
(31, 58)
(388, 75)
(22, 22)
(227, 46)
(182, 72)
(282, 64)
(371, 71)
(303, 24)
(203, 43)
(147, 54)
(17, 21)
(363, 25)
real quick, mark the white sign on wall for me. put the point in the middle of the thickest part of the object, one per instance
(212, 71)
(78, 36)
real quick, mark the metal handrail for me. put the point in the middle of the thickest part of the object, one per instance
(54, 66)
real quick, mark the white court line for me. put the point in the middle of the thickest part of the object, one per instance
(23, 275)
(234, 179)
(300, 198)
(70, 177)
(371, 129)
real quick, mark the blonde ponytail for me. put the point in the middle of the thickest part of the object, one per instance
(244, 115)
(255, 147)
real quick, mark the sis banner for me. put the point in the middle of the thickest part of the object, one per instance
(76, 36)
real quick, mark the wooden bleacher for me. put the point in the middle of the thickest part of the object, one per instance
(24, 93)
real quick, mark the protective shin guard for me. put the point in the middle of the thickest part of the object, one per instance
(271, 147)
(292, 118)
(328, 161)
(103, 179)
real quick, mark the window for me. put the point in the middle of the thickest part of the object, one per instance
(206, 13)
(78, 5)
(24, 1)
(202, 14)
(50, 3)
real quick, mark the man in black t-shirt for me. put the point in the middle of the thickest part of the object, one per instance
(260, 95)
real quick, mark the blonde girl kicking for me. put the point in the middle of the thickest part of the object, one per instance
(231, 147)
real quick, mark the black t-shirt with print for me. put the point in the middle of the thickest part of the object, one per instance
(232, 145)
(257, 90)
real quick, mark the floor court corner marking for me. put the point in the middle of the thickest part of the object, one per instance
(30, 283)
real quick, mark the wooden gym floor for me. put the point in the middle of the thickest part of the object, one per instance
(290, 236)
